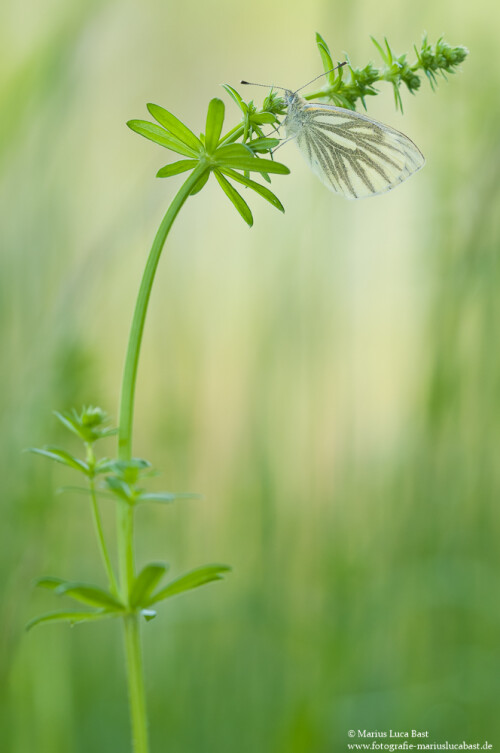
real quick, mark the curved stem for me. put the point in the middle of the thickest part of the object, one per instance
(141, 307)
(125, 512)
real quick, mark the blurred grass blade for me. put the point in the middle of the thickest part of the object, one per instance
(175, 168)
(235, 198)
(146, 582)
(215, 120)
(176, 127)
(261, 190)
(160, 136)
(193, 579)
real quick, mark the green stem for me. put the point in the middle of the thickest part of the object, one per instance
(137, 696)
(125, 512)
(102, 541)
(141, 307)
(232, 135)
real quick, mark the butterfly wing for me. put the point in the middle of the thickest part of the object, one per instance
(351, 153)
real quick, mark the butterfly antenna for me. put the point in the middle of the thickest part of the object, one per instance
(267, 86)
(340, 65)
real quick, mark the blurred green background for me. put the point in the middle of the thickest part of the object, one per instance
(329, 380)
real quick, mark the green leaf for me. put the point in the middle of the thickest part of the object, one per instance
(121, 489)
(61, 456)
(71, 617)
(148, 614)
(146, 582)
(160, 136)
(177, 167)
(236, 199)
(69, 422)
(263, 145)
(200, 183)
(261, 190)
(131, 470)
(176, 127)
(49, 582)
(91, 595)
(104, 465)
(236, 97)
(215, 120)
(193, 579)
(325, 55)
(165, 497)
(262, 118)
(232, 151)
(83, 490)
(256, 164)
(380, 50)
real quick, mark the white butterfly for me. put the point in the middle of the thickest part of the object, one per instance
(351, 153)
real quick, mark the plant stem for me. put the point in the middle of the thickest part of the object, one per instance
(100, 537)
(137, 328)
(137, 696)
(125, 512)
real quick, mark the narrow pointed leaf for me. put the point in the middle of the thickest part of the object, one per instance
(61, 456)
(256, 164)
(166, 497)
(175, 126)
(49, 582)
(235, 198)
(233, 150)
(120, 489)
(160, 136)
(71, 617)
(263, 145)
(104, 465)
(215, 119)
(175, 168)
(261, 190)
(193, 579)
(262, 118)
(325, 55)
(91, 595)
(200, 183)
(83, 490)
(380, 50)
(236, 97)
(146, 582)
(68, 422)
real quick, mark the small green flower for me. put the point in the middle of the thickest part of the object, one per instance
(90, 424)
(217, 154)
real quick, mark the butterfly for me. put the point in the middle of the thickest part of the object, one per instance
(350, 153)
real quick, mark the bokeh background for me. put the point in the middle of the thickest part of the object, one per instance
(329, 380)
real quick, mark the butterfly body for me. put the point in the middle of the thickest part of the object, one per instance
(351, 153)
